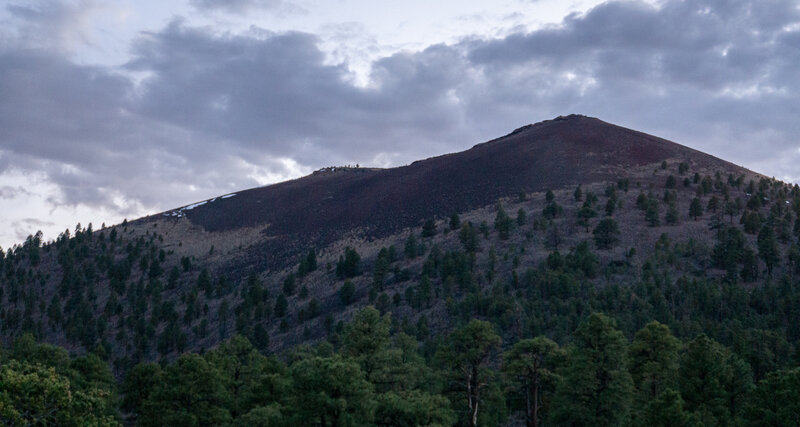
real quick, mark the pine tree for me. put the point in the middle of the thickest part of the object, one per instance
(611, 206)
(776, 400)
(139, 383)
(204, 282)
(749, 265)
(249, 377)
(502, 223)
(751, 221)
(596, 389)
(467, 354)
(455, 222)
(667, 411)
(289, 284)
(521, 217)
(713, 204)
(410, 247)
(413, 408)
(653, 361)
(468, 237)
(732, 208)
(330, 391)
(281, 306)
(530, 365)
(695, 209)
(671, 216)
(651, 213)
(192, 393)
(641, 201)
(366, 339)
(768, 247)
(307, 264)
(706, 380)
(585, 213)
(706, 184)
(347, 292)
(429, 228)
(552, 210)
(606, 234)
(348, 265)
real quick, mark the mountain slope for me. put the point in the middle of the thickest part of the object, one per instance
(240, 264)
(551, 154)
(321, 208)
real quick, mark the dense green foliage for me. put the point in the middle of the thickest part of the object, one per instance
(41, 385)
(375, 376)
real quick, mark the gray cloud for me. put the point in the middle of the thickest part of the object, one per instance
(9, 192)
(273, 94)
(36, 222)
(23, 228)
(77, 124)
(218, 113)
(51, 24)
(244, 6)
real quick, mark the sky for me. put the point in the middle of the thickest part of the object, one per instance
(113, 109)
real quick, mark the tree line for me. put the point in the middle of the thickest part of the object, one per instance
(375, 376)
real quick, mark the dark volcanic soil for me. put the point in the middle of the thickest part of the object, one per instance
(320, 208)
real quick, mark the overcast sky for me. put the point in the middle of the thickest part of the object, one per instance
(119, 108)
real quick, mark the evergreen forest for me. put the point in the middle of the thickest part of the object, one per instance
(670, 300)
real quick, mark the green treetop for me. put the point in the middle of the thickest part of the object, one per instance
(530, 366)
(596, 389)
(467, 354)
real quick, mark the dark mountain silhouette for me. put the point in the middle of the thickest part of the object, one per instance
(319, 208)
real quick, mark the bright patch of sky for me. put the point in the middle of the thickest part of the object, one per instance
(32, 202)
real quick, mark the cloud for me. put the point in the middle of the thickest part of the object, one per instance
(36, 222)
(274, 94)
(243, 6)
(23, 228)
(707, 73)
(9, 192)
(51, 24)
(218, 112)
